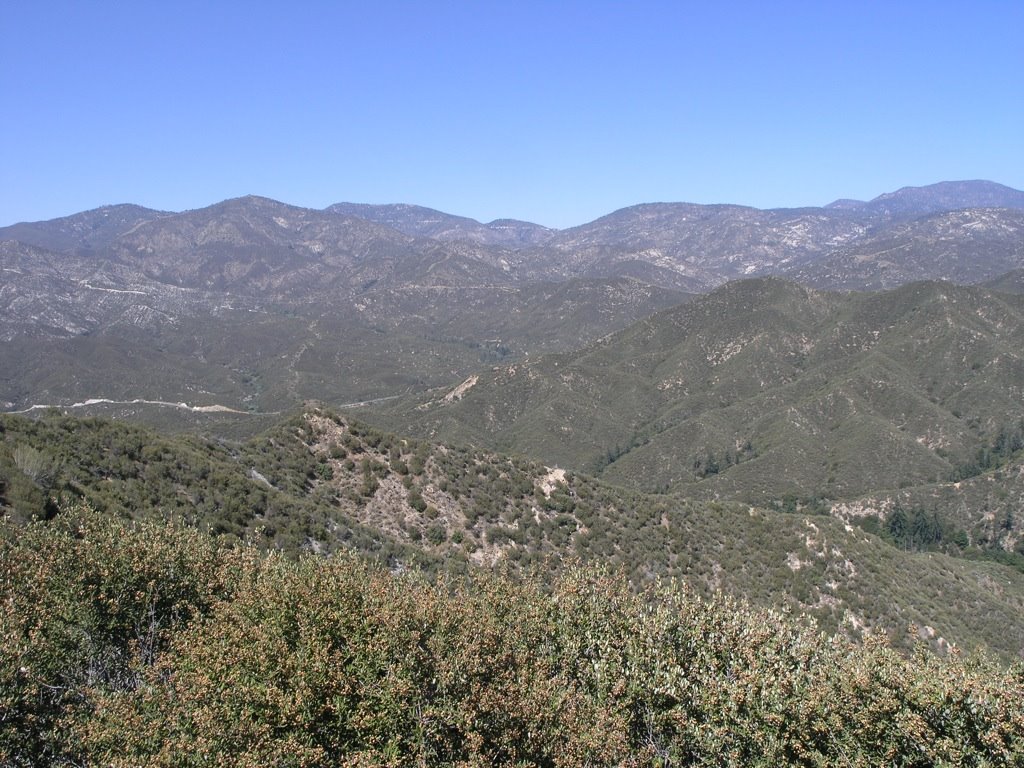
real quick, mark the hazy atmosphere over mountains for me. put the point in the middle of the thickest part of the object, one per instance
(717, 394)
(251, 306)
(254, 304)
(512, 384)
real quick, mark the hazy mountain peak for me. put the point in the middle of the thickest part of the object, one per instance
(419, 221)
(846, 204)
(946, 196)
(85, 231)
(250, 202)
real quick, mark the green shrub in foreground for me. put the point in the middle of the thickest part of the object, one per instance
(129, 645)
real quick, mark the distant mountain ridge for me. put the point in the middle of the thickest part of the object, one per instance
(944, 196)
(85, 231)
(372, 301)
(418, 221)
(964, 246)
(253, 245)
(250, 301)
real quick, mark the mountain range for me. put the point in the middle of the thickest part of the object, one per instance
(771, 393)
(251, 303)
(818, 408)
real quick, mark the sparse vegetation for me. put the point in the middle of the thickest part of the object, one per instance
(766, 392)
(804, 544)
(318, 482)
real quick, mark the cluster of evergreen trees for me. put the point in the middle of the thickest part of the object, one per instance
(712, 463)
(914, 529)
(1008, 441)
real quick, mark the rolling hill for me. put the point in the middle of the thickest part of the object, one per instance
(317, 481)
(760, 391)
(255, 305)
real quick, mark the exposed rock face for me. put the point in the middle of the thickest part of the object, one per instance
(965, 246)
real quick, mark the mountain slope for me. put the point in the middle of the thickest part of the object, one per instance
(912, 202)
(319, 482)
(1011, 282)
(762, 389)
(45, 295)
(82, 232)
(281, 303)
(701, 246)
(195, 348)
(417, 221)
(966, 246)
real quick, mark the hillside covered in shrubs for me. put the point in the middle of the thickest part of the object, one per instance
(145, 643)
(318, 482)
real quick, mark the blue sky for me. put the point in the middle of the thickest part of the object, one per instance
(555, 112)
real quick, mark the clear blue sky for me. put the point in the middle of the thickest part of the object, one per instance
(555, 112)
